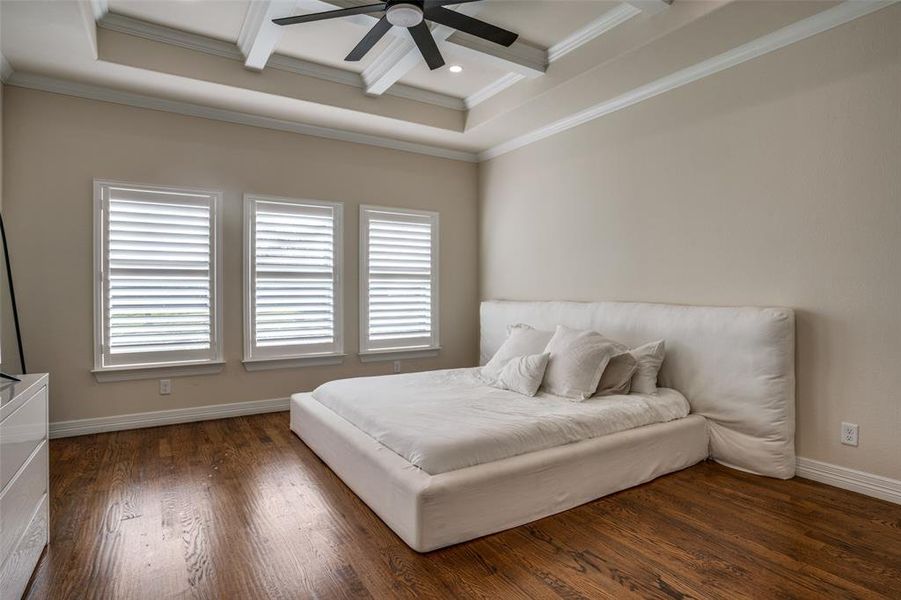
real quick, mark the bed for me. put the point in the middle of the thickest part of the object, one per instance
(443, 458)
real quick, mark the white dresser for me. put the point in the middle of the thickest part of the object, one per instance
(24, 513)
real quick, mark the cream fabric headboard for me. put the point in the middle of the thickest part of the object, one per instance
(736, 366)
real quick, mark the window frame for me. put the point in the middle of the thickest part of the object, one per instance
(259, 359)
(180, 364)
(369, 352)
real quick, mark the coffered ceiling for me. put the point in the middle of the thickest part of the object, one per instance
(574, 59)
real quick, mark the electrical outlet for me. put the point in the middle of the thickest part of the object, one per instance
(397, 366)
(165, 387)
(849, 434)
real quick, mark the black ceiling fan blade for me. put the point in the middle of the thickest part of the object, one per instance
(431, 3)
(467, 24)
(427, 46)
(331, 14)
(369, 40)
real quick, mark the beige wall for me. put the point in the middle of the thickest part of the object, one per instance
(55, 145)
(777, 182)
(4, 294)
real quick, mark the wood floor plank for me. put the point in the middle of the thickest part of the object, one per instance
(241, 508)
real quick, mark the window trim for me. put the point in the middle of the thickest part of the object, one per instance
(118, 372)
(370, 354)
(257, 361)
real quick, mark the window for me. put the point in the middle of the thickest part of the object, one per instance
(157, 277)
(292, 278)
(398, 282)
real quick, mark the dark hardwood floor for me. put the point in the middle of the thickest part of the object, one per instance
(241, 508)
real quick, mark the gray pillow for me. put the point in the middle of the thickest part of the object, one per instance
(617, 377)
(649, 357)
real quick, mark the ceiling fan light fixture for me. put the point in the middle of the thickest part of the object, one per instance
(404, 15)
(455, 69)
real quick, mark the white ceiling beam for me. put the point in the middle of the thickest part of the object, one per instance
(259, 35)
(99, 8)
(394, 62)
(650, 7)
(398, 59)
(522, 57)
(90, 12)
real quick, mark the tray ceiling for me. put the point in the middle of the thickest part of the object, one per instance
(574, 60)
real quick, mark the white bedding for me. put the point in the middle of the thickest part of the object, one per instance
(441, 421)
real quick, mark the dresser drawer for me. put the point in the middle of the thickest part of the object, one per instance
(20, 434)
(17, 568)
(20, 499)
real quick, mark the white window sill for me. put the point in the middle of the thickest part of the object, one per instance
(399, 354)
(313, 360)
(131, 372)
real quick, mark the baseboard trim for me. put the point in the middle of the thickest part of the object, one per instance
(861, 482)
(61, 429)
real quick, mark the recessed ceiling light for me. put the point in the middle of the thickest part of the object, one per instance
(455, 69)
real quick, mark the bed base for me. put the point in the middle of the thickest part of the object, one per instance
(433, 511)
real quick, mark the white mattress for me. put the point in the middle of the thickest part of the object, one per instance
(433, 511)
(441, 421)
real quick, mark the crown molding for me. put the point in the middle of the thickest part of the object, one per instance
(861, 482)
(612, 18)
(492, 89)
(107, 94)
(311, 69)
(169, 35)
(402, 90)
(790, 34)
(223, 49)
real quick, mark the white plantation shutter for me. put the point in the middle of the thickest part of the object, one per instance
(157, 276)
(293, 278)
(399, 258)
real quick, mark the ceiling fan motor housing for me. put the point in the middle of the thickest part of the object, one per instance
(404, 13)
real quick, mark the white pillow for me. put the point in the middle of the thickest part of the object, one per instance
(522, 340)
(649, 357)
(578, 359)
(523, 374)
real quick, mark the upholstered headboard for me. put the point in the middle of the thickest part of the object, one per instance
(736, 366)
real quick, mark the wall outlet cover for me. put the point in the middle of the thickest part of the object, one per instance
(165, 387)
(849, 434)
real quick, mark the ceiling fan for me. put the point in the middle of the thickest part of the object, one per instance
(411, 14)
